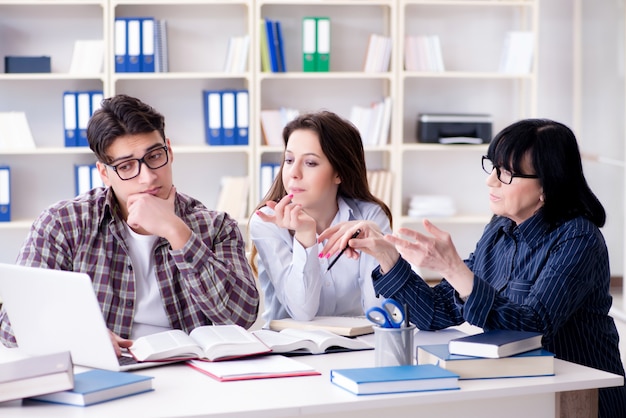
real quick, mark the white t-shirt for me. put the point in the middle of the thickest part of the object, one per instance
(150, 316)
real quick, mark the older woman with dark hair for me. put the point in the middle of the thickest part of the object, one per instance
(541, 264)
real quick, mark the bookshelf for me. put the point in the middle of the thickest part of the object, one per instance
(471, 34)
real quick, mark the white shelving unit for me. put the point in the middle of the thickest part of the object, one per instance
(472, 33)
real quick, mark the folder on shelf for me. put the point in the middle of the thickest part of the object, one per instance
(70, 116)
(242, 122)
(161, 60)
(229, 115)
(83, 113)
(95, 98)
(82, 178)
(120, 46)
(265, 57)
(271, 45)
(268, 173)
(213, 116)
(322, 54)
(280, 50)
(133, 34)
(147, 44)
(5, 194)
(96, 180)
(309, 40)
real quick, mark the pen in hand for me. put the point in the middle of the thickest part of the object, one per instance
(332, 263)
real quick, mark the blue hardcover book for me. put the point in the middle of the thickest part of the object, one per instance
(271, 45)
(5, 193)
(120, 45)
(394, 379)
(280, 49)
(242, 121)
(147, 44)
(496, 343)
(70, 118)
(212, 101)
(537, 362)
(95, 386)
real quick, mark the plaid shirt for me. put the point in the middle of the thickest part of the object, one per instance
(209, 281)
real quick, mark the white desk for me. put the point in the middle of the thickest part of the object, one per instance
(183, 392)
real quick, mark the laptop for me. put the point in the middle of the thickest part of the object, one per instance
(55, 310)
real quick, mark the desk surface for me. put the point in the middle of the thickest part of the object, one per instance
(183, 392)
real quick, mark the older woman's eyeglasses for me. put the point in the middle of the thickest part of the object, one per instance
(504, 176)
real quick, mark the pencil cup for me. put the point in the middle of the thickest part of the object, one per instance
(393, 346)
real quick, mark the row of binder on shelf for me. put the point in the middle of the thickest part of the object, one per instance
(86, 178)
(226, 116)
(78, 106)
(140, 45)
(5, 193)
(315, 44)
(272, 47)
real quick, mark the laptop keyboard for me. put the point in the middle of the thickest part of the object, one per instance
(126, 360)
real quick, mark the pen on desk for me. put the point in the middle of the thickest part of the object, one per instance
(332, 263)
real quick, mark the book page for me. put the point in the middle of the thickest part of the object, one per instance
(254, 368)
(325, 339)
(349, 326)
(163, 345)
(283, 343)
(227, 341)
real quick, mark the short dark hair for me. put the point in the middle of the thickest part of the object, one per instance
(118, 116)
(553, 152)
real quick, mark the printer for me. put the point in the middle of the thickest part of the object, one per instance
(454, 128)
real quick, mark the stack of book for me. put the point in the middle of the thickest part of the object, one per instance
(373, 121)
(380, 183)
(272, 47)
(493, 354)
(423, 53)
(378, 54)
(237, 54)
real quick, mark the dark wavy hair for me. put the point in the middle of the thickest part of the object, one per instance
(118, 116)
(555, 157)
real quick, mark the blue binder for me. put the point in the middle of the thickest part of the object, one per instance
(82, 177)
(83, 113)
(242, 122)
(229, 118)
(5, 194)
(70, 118)
(147, 44)
(271, 45)
(120, 46)
(213, 116)
(133, 35)
(280, 49)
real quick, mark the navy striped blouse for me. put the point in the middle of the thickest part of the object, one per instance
(529, 277)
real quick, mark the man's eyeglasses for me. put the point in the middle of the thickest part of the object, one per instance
(130, 169)
(504, 176)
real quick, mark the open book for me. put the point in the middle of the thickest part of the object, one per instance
(211, 342)
(299, 341)
(350, 326)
